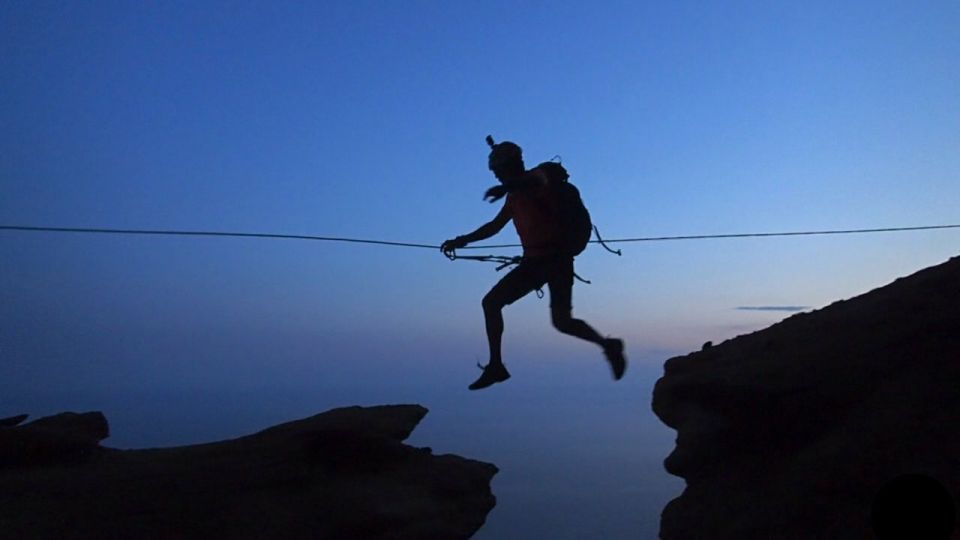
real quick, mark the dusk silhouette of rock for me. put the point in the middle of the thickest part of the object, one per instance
(60, 439)
(792, 431)
(13, 420)
(341, 474)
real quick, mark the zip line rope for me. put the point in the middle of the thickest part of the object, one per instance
(213, 233)
(487, 246)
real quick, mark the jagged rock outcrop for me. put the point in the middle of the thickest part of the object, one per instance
(341, 474)
(13, 420)
(791, 431)
(59, 439)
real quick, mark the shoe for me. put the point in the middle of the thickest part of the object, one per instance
(613, 350)
(492, 374)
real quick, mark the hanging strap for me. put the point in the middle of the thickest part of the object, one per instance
(604, 244)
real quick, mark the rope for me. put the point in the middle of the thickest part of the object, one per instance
(501, 260)
(794, 233)
(214, 233)
(747, 235)
(489, 246)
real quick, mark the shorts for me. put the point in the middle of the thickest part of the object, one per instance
(532, 274)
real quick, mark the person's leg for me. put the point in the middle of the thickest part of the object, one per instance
(520, 281)
(561, 314)
(493, 318)
(561, 303)
(564, 322)
(514, 286)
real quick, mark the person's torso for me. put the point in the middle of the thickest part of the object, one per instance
(534, 212)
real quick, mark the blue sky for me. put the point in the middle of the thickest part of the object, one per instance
(367, 119)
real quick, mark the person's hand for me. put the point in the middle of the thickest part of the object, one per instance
(449, 246)
(495, 193)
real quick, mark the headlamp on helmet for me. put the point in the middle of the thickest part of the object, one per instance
(504, 155)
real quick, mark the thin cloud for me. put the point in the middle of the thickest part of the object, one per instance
(772, 308)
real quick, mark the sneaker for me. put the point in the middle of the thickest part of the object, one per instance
(492, 374)
(613, 350)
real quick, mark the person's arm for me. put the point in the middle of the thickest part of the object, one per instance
(482, 233)
(490, 228)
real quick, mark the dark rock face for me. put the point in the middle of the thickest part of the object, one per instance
(340, 474)
(13, 420)
(790, 432)
(59, 439)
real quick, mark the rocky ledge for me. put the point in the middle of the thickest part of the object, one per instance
(341, 474)
(791, 432)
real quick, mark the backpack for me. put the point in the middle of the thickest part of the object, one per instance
(576, 227)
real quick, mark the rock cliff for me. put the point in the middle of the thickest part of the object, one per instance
(341, 474)
(790, 432)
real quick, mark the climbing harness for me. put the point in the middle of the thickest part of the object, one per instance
(504, 261)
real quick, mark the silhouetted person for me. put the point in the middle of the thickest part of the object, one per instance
(532, 204)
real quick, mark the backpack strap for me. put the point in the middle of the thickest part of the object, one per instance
(604, 244)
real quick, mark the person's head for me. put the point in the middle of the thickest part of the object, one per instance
(506, 159)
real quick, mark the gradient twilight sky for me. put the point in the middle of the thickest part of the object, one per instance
(367, 119)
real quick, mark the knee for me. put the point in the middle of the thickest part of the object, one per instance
(562, 320)
(491, 303)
